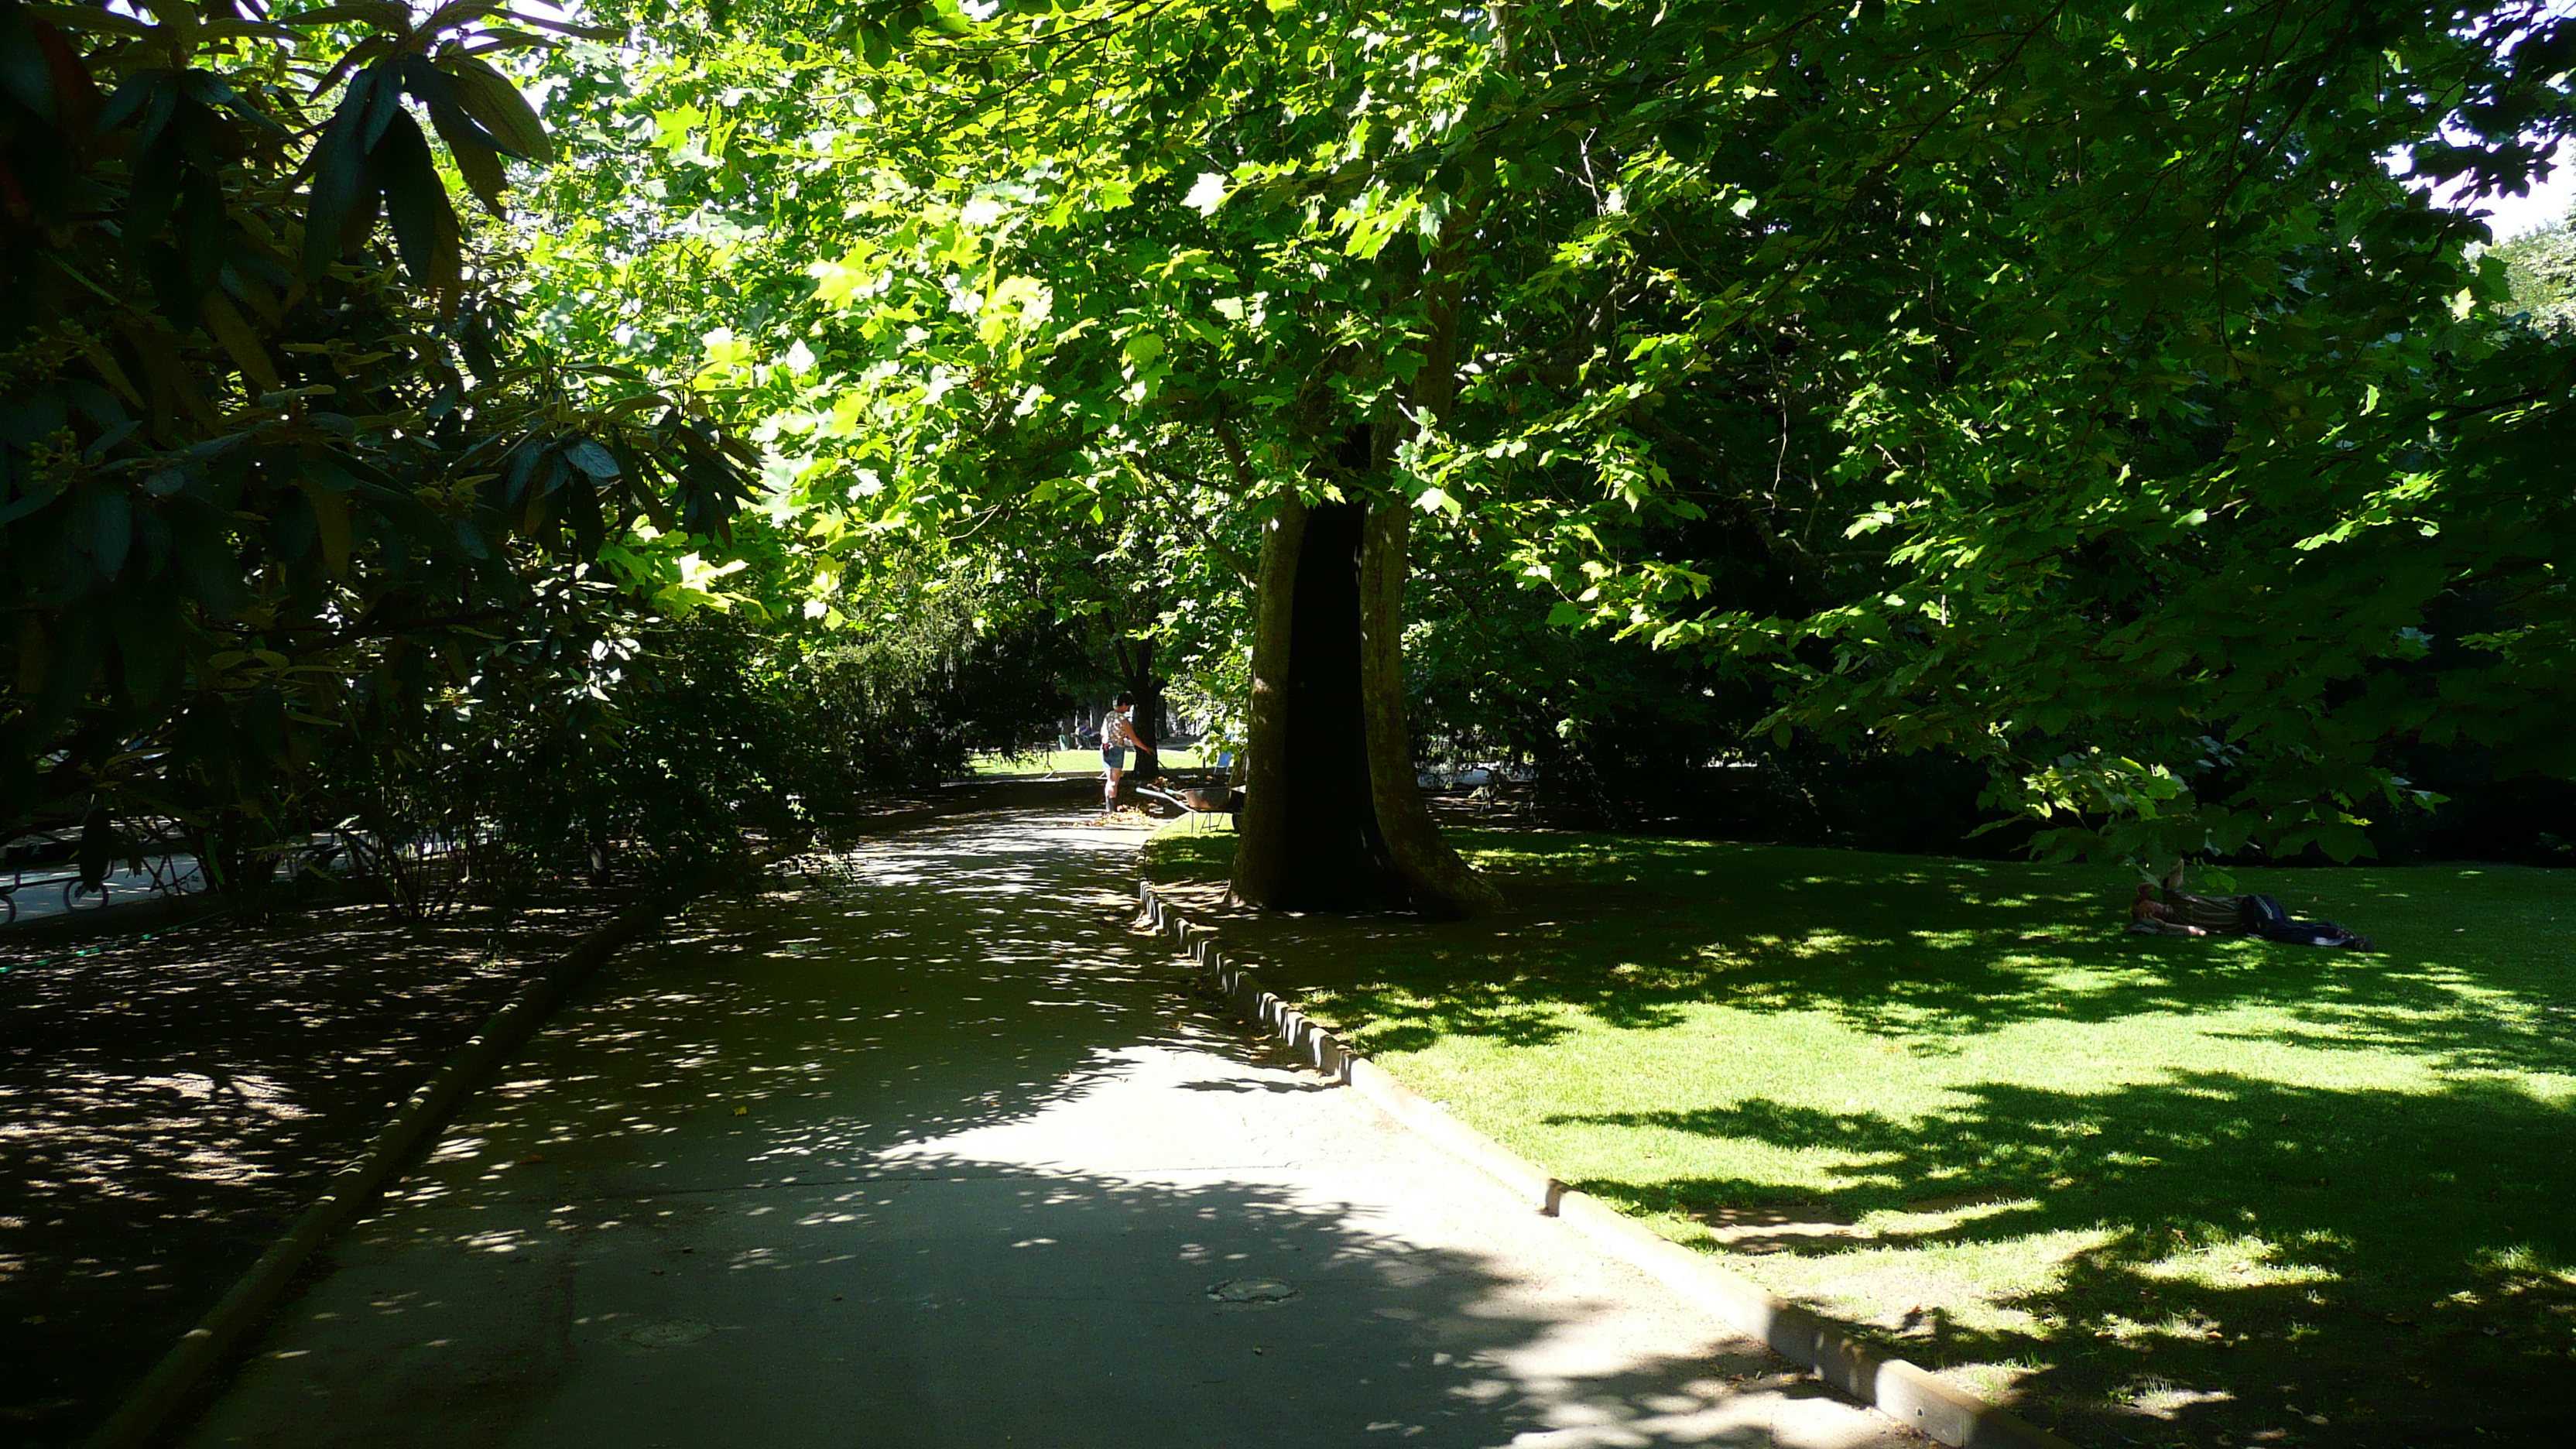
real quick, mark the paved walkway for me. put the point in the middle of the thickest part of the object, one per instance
(38, 893)
(942, 1154)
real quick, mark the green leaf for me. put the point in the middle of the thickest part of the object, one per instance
(479, 164)
(416, 205)
(339, 179)
(592, 459)
(149, 626)
(207, 561)
(24, 75)
(497, 104)
(331, 520)
(874, 45)
(103, 518)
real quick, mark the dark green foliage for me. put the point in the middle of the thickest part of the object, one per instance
(604, 739)
(279, 488)
(1626, 735)
(586, 739)
(1612, 726)
(888, 713)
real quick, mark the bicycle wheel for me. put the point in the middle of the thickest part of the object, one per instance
(8, 907)
(77, 899)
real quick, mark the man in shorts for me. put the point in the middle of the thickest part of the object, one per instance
(1117, 735)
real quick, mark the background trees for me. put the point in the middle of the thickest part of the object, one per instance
(2540, 275)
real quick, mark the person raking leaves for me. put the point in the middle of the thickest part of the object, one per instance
(1117, 735)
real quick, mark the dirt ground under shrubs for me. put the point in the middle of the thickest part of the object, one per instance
(169, 1104)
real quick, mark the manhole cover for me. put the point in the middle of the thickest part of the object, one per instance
(1252, 1290)
(670, 1334)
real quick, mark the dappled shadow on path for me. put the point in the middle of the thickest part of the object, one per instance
(168, 1104)
(964, 1301)
(935, 1149)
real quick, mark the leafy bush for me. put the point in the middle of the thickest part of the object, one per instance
(941, 666)
(281, 500)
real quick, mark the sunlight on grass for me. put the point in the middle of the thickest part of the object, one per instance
(1069, 762)
(1954, 1102)
(2237, 1260)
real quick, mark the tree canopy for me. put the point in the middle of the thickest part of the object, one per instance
(2064, 387)
(303, 532)
(2069, 387)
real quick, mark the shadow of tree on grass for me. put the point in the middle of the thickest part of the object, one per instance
(1929, 951)
(2163, 1284)
(2263, 1192)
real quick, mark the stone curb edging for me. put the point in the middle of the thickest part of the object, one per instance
(1901, 1390)
(141, 1418)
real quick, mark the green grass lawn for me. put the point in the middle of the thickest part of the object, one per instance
(1069, 762)
(2155, 1191)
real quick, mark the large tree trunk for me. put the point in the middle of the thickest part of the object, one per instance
(1309, 827)
(1332, 817)
(1261, 858)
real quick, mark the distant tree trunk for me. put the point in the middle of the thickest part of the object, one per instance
(1150, 724)
(1137, 679)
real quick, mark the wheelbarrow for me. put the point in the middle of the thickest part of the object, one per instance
(1198, 801)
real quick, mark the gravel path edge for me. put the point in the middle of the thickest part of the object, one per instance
(1903, 1391)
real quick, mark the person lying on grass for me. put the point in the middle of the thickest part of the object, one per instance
(2256, 915)
(2151, 917)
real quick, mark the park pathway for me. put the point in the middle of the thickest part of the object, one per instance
(941, 1153)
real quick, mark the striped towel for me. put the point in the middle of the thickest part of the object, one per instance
(2210, 913)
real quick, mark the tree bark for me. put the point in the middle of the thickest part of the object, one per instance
(1136, 672)
(1438, 878)
(1131, 655)
(1332, 816)
(1261, 857)
(1319, 821)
